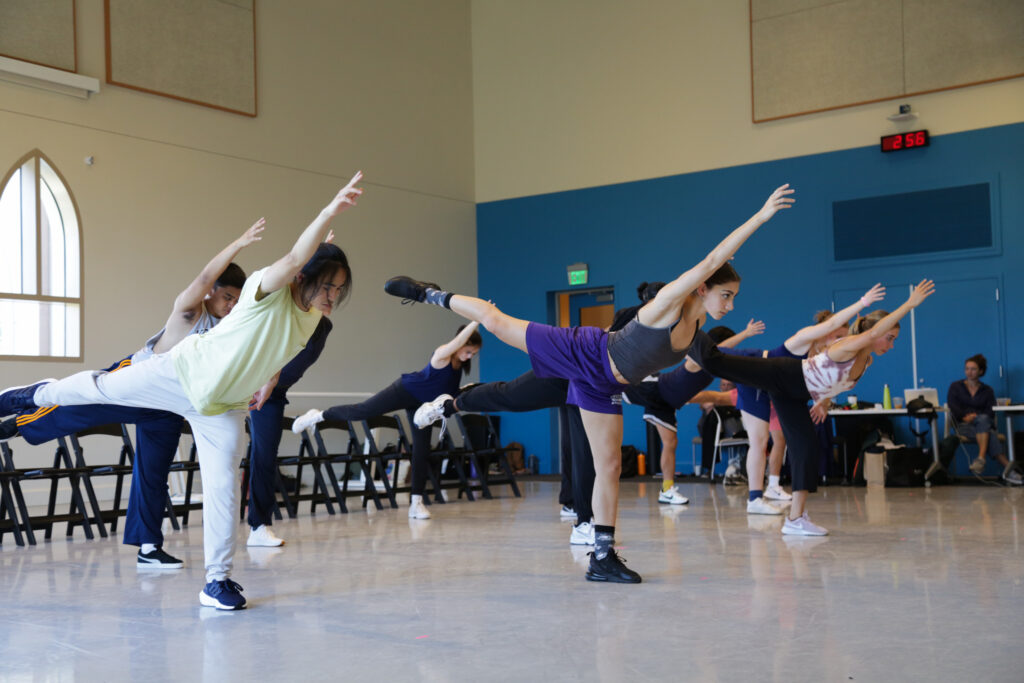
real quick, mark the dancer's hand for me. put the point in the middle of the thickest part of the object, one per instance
(819, 412)
(346, 197)
(754, 328)
(779, 199)
(252, 234)
(261, 396)
(923, 290)
(330, 237)
(876, 293)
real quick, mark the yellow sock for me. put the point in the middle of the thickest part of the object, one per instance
(666, 484)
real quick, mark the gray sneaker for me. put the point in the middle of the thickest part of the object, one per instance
(1013, 477)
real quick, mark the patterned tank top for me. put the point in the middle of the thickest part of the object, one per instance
(825, 377)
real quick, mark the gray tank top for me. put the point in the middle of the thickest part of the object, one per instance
(639, 350)
(205, 323)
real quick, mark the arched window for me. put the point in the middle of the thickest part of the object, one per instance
(40, 264)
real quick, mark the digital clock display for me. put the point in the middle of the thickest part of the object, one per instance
(901, 141)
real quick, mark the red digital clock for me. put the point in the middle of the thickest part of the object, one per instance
(901, 141)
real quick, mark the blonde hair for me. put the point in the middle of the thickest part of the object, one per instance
(822, 316)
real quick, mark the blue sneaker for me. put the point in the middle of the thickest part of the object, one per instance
(19, 399)
(224, 594)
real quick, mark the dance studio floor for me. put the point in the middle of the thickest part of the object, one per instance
(913, 584)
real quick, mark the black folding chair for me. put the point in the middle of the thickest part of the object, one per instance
(308, 457)
(480, 441)
(351, 454)
(62, 468)
(119, 469)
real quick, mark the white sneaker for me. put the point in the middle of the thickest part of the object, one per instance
(760, 506)
(776, 493)
(567, 512)
(672, 497)
(417, 510)
(803, 526)
(310, 418)
(263, 537)
(430, 412)
(582, 534)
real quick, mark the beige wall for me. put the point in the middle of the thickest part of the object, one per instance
(579, 93)
(382, 86)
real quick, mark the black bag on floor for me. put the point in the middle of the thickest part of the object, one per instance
(906, 466)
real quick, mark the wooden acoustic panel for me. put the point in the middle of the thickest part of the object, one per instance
(815, 55)
(200, 51)
(39, 31)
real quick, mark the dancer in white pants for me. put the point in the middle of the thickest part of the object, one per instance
(211, 379)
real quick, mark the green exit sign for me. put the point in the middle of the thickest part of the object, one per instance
(578, 273)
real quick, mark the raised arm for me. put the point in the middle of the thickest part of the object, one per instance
(848, 347)
(284, 270)
(753, 328)
(443, 354)
(802, 340)
(192, 296)
(663, 309)
(718, 398)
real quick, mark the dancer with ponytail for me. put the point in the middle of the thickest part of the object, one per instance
(791, 382)
(598, 364)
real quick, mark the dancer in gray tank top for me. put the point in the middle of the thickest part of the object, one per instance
(598, 364)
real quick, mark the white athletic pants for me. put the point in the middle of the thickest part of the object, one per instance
(219, 440)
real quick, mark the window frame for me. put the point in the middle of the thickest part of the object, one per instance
(39, 156)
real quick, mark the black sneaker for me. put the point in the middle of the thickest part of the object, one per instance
(224, 594)
(158, 559)
(611, 569)
(8, 428)
(408, 289)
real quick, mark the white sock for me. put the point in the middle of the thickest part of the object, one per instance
(147, 548)
(773, 481)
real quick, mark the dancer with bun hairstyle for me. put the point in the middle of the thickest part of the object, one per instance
(791, 382)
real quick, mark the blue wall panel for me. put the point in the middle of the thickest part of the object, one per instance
(656, 229)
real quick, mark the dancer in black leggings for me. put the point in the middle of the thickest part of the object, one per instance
(442, 374)
(791, 382)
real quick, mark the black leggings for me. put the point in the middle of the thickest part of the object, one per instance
(783, 379)
(529, 392)
(395, 397)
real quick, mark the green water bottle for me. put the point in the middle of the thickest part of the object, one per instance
(886, 398)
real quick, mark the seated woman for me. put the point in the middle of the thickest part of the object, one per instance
(970, 403)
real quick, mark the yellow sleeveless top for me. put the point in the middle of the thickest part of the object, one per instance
(221, 369)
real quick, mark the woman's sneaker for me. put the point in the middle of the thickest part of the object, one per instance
(582, 534)
(567, 513)
(803, 526)
(760, 506)
(310, 418)
(978, 466)
(417, 510)
(224, 594)
(672, 497)
(611, 570)
(263, 537)
(430, 412)
(777, 493)
(407, 289)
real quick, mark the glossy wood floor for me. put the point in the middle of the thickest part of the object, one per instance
(912, 585)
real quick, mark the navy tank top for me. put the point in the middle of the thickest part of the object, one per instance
(429, 383)
(680, 385)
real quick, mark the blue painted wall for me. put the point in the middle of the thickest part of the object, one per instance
(656, 229)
